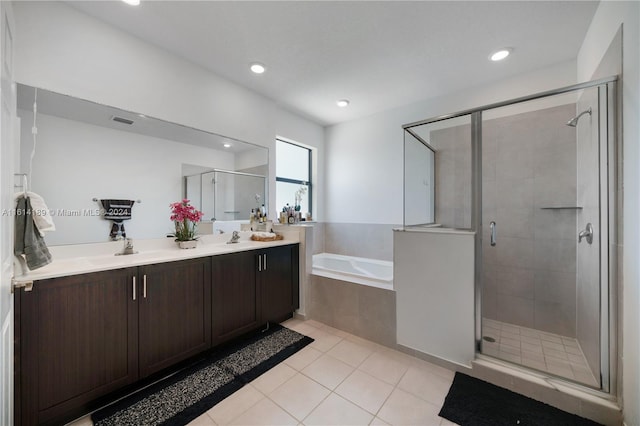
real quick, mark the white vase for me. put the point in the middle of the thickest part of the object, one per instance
(188, 244)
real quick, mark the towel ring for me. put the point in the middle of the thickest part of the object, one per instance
(96, 200)
(25, 182)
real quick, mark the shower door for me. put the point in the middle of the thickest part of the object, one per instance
(542, 230)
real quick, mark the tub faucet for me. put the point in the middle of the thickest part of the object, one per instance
(234, 238)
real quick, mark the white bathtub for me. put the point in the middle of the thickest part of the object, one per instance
(359, 270)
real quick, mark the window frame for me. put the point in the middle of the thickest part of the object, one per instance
(308, 183)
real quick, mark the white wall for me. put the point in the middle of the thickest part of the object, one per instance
(606, 22)
(76, 162)
(65, 51)
(364, 161)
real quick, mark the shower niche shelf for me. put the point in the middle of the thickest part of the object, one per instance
(561, 208)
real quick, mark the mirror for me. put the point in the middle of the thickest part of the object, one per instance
(86, 151)
(226, 196)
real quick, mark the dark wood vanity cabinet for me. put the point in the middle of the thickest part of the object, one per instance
(278, 279)
(76, 340)
(236, 295)
(80, 339)
(174, 300)
(253, 287)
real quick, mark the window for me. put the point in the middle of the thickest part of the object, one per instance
(293, 173)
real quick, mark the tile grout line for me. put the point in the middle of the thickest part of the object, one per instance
(497, 327)
(265, 396)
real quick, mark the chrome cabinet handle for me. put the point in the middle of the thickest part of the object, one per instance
(144, 286)
(586, 233)
(265, 261)
(259, 263)
(492, 225)
(134, 288)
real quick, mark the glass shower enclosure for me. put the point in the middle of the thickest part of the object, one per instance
(224, 195)
(535, 178)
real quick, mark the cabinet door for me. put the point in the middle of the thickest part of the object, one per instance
(77, 340)
(278, 275)
(175, 312)
(236, 297)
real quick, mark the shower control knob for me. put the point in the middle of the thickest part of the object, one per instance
(586, 233)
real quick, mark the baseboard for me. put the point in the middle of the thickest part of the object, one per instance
(433, 359)
(300, 316)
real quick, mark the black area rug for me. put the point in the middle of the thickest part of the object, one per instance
(472, 402)
(189, 393)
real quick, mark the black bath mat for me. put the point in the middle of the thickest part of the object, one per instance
(473, 402)
(186, 395)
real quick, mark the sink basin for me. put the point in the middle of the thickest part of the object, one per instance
(113, 259)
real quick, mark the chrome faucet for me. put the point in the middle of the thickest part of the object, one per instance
(234, 237)
(128, 247)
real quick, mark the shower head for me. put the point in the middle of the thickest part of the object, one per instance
(574, 121)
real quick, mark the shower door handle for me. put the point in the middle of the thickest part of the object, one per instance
(492, 225)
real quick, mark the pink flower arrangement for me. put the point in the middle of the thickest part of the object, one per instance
(186, 219)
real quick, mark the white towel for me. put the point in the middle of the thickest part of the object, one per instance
(41, 216)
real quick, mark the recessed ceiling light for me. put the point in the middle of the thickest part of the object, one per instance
(343, 103)
(258, 68)
(500, 54)
(227, 145)
(132, 2)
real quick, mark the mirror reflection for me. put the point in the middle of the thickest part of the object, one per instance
(84, 151)
(226, 197)
(437, 173)
(419, 186)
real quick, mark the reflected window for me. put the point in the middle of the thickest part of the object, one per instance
(293, 176)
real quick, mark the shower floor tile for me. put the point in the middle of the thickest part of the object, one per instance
(548, 352)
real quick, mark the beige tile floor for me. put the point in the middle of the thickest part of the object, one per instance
(548, 352)
(339, 379)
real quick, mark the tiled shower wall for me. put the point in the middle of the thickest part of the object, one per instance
(529, 163)
(453, 176)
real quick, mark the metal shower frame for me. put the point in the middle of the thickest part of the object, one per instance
(608, 178)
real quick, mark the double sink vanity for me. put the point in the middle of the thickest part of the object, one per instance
(93, 325)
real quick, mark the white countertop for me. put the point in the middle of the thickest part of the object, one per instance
(87, 258)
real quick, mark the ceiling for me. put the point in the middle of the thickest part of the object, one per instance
(379, 55)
